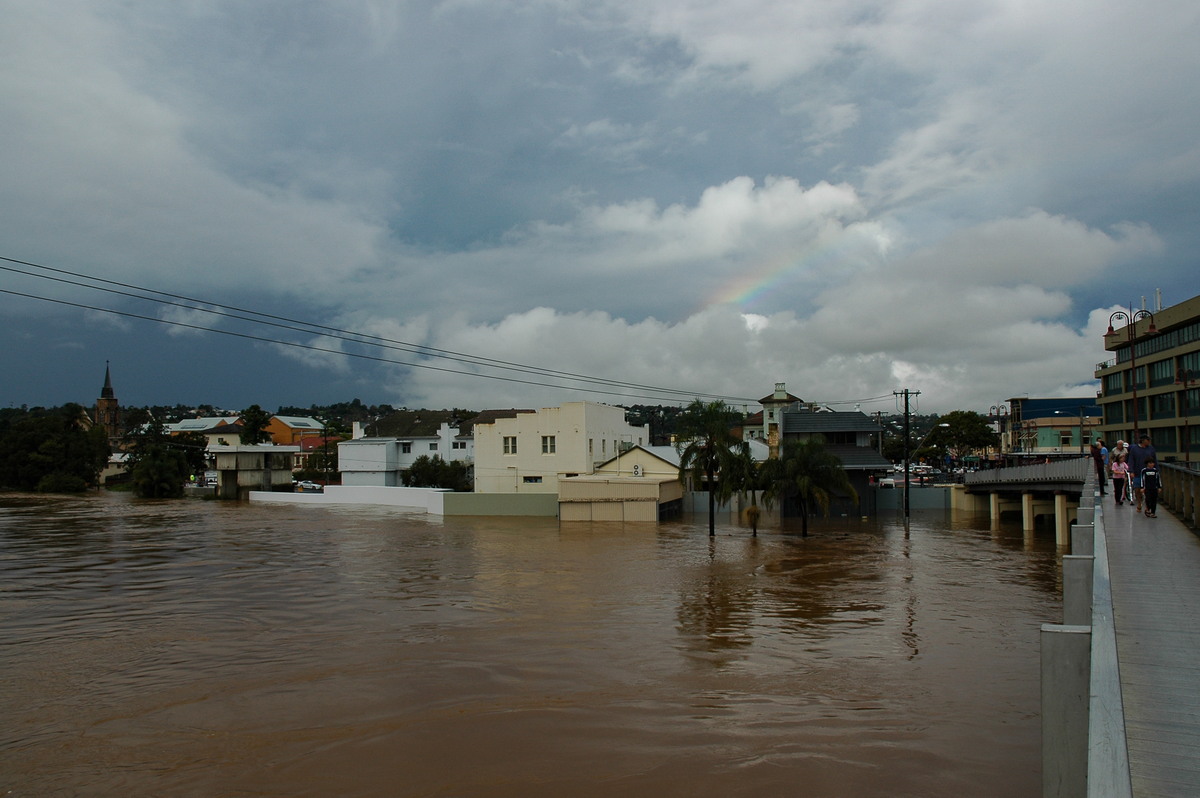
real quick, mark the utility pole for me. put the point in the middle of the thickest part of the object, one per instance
(906, 393)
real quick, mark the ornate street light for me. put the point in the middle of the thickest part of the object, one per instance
(1186, 378)
(1131, 319)
(1000, 412)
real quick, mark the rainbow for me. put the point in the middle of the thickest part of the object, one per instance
(750, 286)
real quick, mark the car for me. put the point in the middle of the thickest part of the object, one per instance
(313, 487)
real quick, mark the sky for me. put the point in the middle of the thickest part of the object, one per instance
(488, 204)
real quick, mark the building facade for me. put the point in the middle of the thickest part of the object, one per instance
(1055, 428)
(1152, 384)
(382, 461)
(529, 452)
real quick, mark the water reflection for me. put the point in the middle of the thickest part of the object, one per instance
(200, 648)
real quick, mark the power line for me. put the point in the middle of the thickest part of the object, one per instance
(284, 322)
(251, 316)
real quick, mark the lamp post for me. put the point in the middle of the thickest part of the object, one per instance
(1186, 378)
(1063, 413)
(907, 457)
(1000, 411)
(1131, 319)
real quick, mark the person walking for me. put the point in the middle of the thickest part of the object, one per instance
(1120, 473)
(1099, 459)
(1139, 455)
(1151, 482)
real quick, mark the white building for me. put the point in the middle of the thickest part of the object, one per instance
(530, 451)
(382, 462)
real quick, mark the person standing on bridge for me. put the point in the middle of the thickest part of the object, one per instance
(1100, 458)
(1150, 484)
(1140, 454)
(1120, 472)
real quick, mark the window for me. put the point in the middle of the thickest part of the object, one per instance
(433, 447)
(406, 447)
(510, 444)
(458, 445)
(532, 480)
(1162, 406)
(1162, 373)
(1065, 439)
(548, 444)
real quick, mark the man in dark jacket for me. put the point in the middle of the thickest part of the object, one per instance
(1140, 454)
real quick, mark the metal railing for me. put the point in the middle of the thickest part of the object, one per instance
(1073, 470)
(1180, 490)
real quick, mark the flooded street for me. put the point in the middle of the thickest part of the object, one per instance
(198, 648)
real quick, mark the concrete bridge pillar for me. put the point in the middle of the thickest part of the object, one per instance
(1028, 514)
(1062, 519)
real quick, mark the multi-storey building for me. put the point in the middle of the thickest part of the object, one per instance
(528, 452)
(1152, 384)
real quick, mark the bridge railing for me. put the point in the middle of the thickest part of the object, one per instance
(1180, 490)
(1073, 470)
(1084, 749)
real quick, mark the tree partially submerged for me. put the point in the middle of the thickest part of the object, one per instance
(158, 465)
(808, 474)
(707, 447)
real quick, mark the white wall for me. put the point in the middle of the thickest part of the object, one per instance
(585, 434)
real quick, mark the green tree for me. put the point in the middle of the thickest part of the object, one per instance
(254, 425)
(809, 474)
(434, 472)
(743, 476)
(158, 466)
(967, 432)
(52, 450)
(706, 443)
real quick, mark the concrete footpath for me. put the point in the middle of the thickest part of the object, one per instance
(1155, 571)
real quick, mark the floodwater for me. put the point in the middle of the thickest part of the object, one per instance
(200, 648)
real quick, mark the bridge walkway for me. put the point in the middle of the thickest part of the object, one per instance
(1155, 575)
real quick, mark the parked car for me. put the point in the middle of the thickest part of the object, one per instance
(311, 487)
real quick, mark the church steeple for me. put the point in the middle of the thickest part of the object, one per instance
(107, 391)
(108, 410)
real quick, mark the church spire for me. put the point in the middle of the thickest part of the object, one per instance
(107, 391)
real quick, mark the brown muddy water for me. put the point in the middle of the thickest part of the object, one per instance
(198, 648)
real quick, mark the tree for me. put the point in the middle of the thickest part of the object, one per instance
(254, 425)
(434, 472)
(967, 432)
(158, 466)
(706, 444)
(809, 474)
(52, 450)
(742, 476)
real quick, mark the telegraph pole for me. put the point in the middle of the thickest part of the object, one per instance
(906, 393)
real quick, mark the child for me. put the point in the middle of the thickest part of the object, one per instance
(1150, 485)
(1120, 472)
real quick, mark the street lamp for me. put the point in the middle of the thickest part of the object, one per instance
(1000, 412)
(907, 456)
(1063, 413)
(1186, 378)
(1131, 319)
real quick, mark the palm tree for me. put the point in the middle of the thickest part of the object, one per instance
(742, 476)
(809, 473)
(705, 447)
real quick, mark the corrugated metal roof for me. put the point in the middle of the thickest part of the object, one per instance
(835, 421)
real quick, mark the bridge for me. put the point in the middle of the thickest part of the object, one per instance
(1033, 490)
(1120, 708)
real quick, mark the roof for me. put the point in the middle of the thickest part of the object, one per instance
(667, 454)
(417, 423)
(300, 422)
(203, 424)
(859, 458)
(833, 421)
(772, 399)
